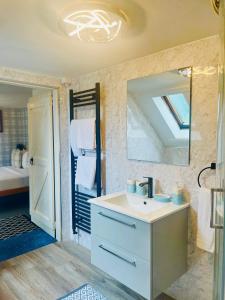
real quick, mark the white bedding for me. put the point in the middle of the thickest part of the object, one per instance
(13, 178)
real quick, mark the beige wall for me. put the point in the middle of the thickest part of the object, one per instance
(195, 284)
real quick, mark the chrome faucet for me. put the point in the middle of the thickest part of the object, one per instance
(150, 186)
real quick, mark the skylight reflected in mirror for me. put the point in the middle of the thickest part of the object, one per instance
(158, 118)
(181, 107)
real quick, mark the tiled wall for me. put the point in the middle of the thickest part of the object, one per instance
(15, 131)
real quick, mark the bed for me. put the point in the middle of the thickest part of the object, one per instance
(13, 181)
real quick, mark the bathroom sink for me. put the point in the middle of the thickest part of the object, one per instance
(139, 207)
(137, 203)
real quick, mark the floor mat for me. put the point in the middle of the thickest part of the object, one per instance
(19, 236)
(85, 292)
(15, 225)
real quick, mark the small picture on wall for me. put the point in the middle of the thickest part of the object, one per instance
(1, 122)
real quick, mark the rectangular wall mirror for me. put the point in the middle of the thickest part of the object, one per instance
(159, 117)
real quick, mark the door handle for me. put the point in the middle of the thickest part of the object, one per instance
(212, 224)
(31, 161)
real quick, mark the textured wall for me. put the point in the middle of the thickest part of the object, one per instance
(15, 131)
(197, 283)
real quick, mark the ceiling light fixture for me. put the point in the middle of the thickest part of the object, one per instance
(93, 25)
(216, 5)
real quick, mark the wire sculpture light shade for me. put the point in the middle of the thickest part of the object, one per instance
(216, 5)
(93, 25)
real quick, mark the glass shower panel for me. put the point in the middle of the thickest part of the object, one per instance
(218, 211)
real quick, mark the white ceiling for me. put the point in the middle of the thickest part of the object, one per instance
(14, 96)
(30, 37)
(9, 89)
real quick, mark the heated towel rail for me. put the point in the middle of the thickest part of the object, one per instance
(81, 216)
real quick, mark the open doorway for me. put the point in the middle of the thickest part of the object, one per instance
(27, 169)
(14, 169)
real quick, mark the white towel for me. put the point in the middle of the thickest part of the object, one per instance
(82, 134)
(73, 139)
(86, 170)
(205, 234)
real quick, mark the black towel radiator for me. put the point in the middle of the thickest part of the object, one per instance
(81, 216)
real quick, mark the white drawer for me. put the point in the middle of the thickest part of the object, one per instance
(125, 232)
(127, 268)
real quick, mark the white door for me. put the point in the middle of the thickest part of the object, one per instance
(40, 127)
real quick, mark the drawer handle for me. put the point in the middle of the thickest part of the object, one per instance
(133, 263)
(116, 220)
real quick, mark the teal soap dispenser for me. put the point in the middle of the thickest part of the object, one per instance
(177, 196)
(131, 185)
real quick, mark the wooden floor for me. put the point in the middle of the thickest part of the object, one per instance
(52, 271)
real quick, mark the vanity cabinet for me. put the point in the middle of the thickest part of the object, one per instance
(146, 257)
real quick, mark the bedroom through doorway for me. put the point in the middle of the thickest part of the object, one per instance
(27, 178)
(14, 151)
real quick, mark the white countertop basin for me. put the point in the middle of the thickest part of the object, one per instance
(142, 208)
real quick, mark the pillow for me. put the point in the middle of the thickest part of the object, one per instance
(13, 153)
(25, 160)
(16, 158)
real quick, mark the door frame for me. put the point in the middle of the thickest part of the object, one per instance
(56, 145)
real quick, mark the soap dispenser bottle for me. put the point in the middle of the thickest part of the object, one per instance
(177, 196)
(131, 185)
